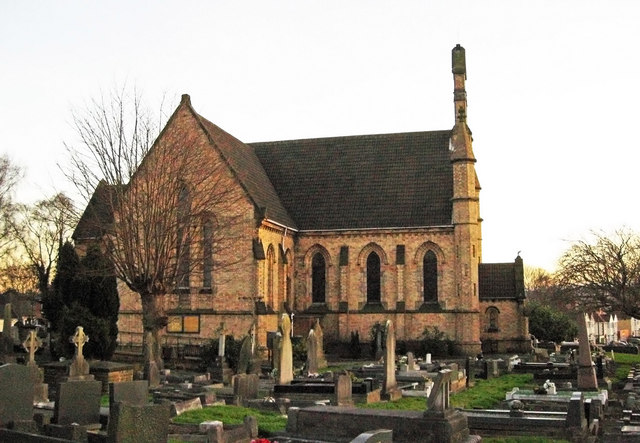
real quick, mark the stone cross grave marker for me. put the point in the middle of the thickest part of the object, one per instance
(285, 374)
(40, 389)
(31, 344)
(79, 366)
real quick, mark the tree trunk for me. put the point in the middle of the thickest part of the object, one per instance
(154, 320)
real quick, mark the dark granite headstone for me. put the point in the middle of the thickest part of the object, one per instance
(138, 423)
(131, 392)
(78, 402)
(16, 394)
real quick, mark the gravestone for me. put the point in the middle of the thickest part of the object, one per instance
(438, 401)
(411, 362)
(322, 359)
(576, 416)
(147, 423)
(219, 368)
(312, 353)
(379, 350)
(245, 387)
(79, 369)
(343, 390)
(6, 341)
(134, 392)
(244, 359)
(151, 369)
(276, 348)
(390, 389)
(221, 340)
(77, 402)
(586, 371)
(285, 374)
(16, 394)
(40, 389)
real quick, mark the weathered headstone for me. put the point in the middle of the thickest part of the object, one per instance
(40, 389)
(151, 369)
(16, 394)
(322, 359)
(285, 375)
(147, 423)
(312, 353)
(576, 416)
(411, 362)
(6, 342)
(77, 402)
(245, 387)
(277, 347)
(379, 350)
(343, 390)
(221, 340)
(134, 392)
(245, 357)
(390, 389)
(438, 400)
(586, 371)
(79, 369)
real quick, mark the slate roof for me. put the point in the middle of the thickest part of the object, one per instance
(242, 159)
(498, 281)
(368, 181)
(97, 216)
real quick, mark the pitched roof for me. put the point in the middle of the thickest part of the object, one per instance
(499, 281)
(242, 160)
(98, 214)
(368, 181)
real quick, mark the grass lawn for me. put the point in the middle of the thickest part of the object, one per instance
(624, 362)
(268, 422)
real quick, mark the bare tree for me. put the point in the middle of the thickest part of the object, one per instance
(40, 230)
(18, 275)
(9, 177)
(163, 209)
(604, 273)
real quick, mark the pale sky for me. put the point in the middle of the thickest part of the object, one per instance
(551, 90)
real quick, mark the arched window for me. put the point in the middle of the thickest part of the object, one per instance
(492, 315)
(183, 247)
(373, 278)
(318, 278)
(207, 253)
(430, 277)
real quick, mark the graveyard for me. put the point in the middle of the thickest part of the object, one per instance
(389, 397)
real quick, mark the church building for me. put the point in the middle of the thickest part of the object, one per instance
(350, 231)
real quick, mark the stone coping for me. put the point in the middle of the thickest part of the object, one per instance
(559, 397)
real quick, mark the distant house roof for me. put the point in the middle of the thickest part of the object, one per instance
(358, 182)
(501, 281)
